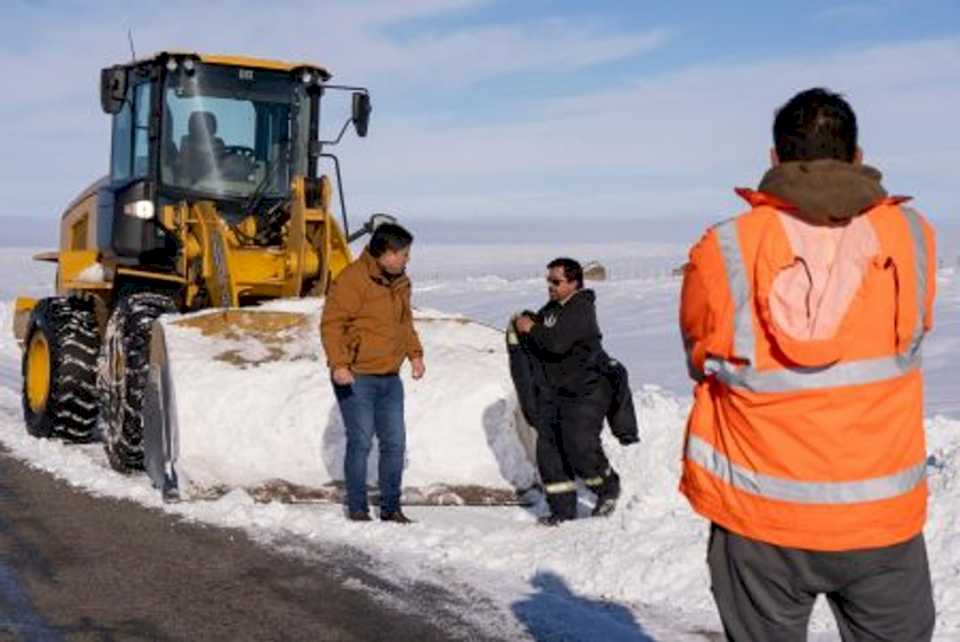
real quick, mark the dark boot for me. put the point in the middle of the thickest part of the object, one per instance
(551, 520)
(359, 516)
(396, 516)
(563, 505)
(607, 495)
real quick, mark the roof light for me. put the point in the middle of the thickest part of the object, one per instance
(172, 65)
(188, 65)
(306, 77)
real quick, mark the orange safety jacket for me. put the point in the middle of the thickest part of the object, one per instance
(808, 443)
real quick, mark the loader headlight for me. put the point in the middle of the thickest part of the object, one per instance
(139, 209)
(306, 77)
(172, 65)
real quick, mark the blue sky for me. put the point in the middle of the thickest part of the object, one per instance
(498, 110)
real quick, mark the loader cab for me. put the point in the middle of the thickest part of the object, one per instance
(190, 128)
(228, 131)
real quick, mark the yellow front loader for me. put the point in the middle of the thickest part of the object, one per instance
(213, 201)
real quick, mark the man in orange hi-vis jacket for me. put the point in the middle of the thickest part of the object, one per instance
(802, 320)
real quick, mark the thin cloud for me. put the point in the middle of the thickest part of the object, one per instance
(707, 127)
(470, 55)
(853, 12)
(51, 61)
(689, 134)
(696, 118)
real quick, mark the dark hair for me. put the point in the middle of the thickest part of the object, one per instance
(388, 236)
(815, 124)
(572, 270)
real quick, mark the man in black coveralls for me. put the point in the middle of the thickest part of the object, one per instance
(565, 338)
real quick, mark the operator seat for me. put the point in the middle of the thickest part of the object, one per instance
(200, 147)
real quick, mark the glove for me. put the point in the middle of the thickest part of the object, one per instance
(626, 441)
(512, 338)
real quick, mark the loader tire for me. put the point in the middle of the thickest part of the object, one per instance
(122, 377)
(59, 369)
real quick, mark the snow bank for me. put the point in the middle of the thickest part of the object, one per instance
(943, 522)
(260, 412)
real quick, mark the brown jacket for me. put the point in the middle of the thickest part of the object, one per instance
(367, 322)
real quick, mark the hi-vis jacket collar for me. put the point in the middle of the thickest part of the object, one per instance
(821, 192)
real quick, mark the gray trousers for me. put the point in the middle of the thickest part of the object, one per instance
(765, 593)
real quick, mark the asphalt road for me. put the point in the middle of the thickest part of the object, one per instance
(78, 567)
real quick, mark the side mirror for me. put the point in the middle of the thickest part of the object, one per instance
(361, 112)
(113, 89)
(378, 219)
(372, 223)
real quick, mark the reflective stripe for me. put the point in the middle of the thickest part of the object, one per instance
(560, 487)
(744, 344)
(776, 488)
(920, 266)
(848, 373)
(599, 479)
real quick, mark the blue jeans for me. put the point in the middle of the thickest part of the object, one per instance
(373, 405)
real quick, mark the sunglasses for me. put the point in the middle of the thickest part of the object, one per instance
(555, 282)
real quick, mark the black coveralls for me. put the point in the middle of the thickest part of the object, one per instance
(577, 395)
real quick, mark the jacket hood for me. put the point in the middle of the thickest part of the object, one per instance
(583, 294)
(824, 192)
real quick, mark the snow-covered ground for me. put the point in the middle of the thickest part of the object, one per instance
(640, 574)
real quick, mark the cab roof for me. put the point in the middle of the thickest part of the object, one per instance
(236, 61)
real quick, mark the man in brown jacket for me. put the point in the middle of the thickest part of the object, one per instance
(367, 332)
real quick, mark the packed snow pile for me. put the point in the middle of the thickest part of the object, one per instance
(257, 411)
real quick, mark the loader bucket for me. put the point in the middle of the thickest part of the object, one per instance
(241, 398)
